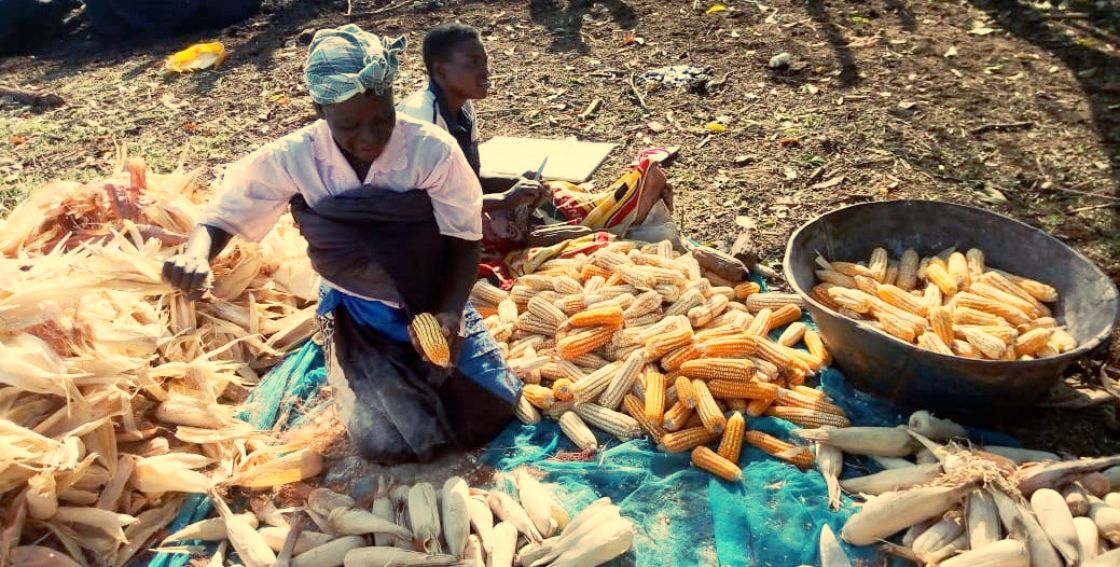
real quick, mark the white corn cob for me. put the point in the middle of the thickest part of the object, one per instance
(456, 517)
(330, 553)
(893, 512)
(1107, 519)
(482, 519)
(616, 423)
(934, 428)
(1054, 517)
(873, 441)
(352, 521)
(507, 510)
(307, 540)
(1088, 539)
(892, 479)
(624, 380)
(830, 461)
(423, 514)
(577, 431)
(1006, 553)
(937, 536)
(536, 501)
(1022, 524)
(1020, 456)
(981, 519)
(384, 556)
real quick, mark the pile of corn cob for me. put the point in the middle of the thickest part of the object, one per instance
(951, 303)
(415, 525)
(636, 339)
(117, 395)
(959, 505)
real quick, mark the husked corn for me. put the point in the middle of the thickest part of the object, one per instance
(877, 265)
(772, 300)
(635, 410)
(908, 270)
(676, 416)
(686, 439)
(706, 459)
(718, 369)
(583, 342)
(958, 270)
(731, 442)
(775, 447)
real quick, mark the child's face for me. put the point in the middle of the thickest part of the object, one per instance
(466, 72)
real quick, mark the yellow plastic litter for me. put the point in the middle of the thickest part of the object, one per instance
(715, 127)
(716, 8)
(196, 58)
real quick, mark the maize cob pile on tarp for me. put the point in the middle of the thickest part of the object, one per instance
(634, 340)
(118, 396)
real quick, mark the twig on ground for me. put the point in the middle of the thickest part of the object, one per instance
(1001, 127)
(591, 109)
(1092, 207)
(637, 93)
(378, 11)
(1083, 193)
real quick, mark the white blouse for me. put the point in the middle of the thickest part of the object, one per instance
(255, 191)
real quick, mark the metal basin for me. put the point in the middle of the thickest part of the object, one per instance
(915, 378)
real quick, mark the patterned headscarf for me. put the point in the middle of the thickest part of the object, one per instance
(347, 61)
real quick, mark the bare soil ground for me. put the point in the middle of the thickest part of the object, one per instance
(1012, 105)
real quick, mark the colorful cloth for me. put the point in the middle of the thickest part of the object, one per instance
(347, 61)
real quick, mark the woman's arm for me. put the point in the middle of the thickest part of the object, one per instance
(188, 271)
(462, 271)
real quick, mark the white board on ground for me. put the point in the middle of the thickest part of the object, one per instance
(568, 160)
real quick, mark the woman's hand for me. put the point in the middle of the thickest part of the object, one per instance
(186, 272)
(449, 325)
(526, 192)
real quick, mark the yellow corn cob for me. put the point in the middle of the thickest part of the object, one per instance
(1047, 351)
(958, 270)
(644, 304)
(623, 381)
(728, 329)
(899, 298)
(793, 334)
(655, 397)
(688, 300)
(975, 260)
(546, 311)
(589, 271)
(1062, 341)
(525, 412)
(908, 270)
(850, 269)
(1038, 290)
(676, 416)
(1005, 285)
(941, 321)
(686, 439)
(734, 346)
(932, 342)
(613, 280)
(746, 289)
(618, 424)
(675, 359)
(1031, 307)
(816, 347)
(939, 276)
(686, 392)
(991, 347)
(853, 299)
(731, 443)
(1013, 315)
(775, 447)
(878, 263)
(567, 285)
(706, 459)
(963, 349)
(717, 303)
(635, 410)
(607, 316)
(531, 323)
(583, 342)
(664, 343)
(1032, 341)
(969, 316)
(563, 390)
(577, 431)
(485, 292)
(794, 398)
(758, 407)
(540, 396)
(932, 296)
(700, 316)
(558, 369)
(785, 315)
(895, 326)
(807, 417)
(780, 356)
(923, 265)
(718, 369)
(736, 307)
(867, 285)
(735, 404)
(760, 325)
(707, 409)
(736, 389)
(1005, 334)
(432, 342)
(836, 278)
(571, 304)
(773, 301)
(565, 272)
(820, 292)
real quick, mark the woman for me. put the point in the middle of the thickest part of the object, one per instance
(391, 210)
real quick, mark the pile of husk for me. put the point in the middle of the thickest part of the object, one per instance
(119, 395)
